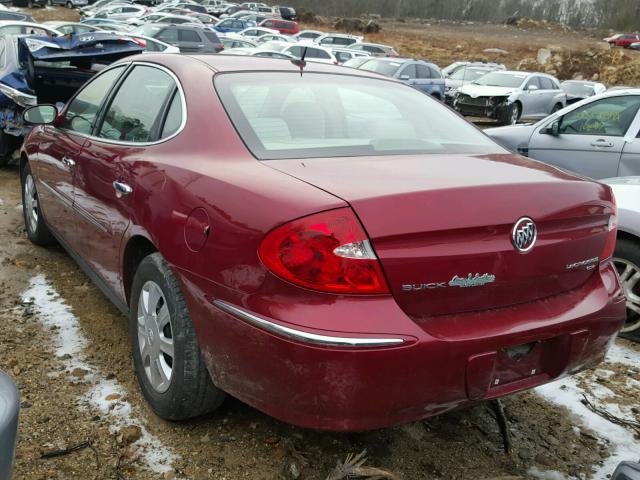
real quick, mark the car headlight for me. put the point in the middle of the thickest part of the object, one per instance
(21, 98)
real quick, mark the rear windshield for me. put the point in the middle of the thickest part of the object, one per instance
(285, 115)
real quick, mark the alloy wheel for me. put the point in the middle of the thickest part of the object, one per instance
(630, 281)
(31, 205)
(515, 113)
(155, 336)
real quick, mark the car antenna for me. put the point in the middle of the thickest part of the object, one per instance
(299, 62)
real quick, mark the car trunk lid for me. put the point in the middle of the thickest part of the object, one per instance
(442, 225)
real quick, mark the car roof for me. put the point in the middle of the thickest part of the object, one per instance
(238, 63)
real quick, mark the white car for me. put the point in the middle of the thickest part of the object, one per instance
(337, 39)
(274, 37)
(257, 32)
(312, 53)
(275, 45)
(9, 27)
(508, 96)
(346, 54)
(375, 49)
(121, 12)
(310, 35)
(161, 17)
(627, 253)
(153, 45)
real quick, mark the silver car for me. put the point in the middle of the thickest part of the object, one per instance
(627, 254)
(596, 137)
(508, 96)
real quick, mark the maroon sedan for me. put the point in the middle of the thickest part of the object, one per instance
(334, 248)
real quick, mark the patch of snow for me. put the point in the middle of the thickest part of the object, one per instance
(535, 472)
(621, 441)
(105, 395)
(620, 354)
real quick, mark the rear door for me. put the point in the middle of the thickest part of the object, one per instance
(57, 159)
(591, 138)
(533, 98)
(104, 184)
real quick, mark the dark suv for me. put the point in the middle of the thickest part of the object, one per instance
(189, 39)
(287, 13)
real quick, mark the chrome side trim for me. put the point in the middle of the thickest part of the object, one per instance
(302, 336)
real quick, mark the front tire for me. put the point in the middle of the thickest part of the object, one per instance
(69, 5)
(511, 115)
(35, 225)
(166, 354)
(626, 258)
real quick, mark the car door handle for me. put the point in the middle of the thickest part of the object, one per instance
(68, 162)
(602, 143)
(122, 189)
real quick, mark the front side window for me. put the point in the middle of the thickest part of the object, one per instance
(81, 114)
(608, 116)
(546, 84)
(533, 82)
(133, 115)
(282, 115)
(409, 71)
(168, 35)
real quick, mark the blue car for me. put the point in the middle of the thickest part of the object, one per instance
(232, 25)
(38, 70)
(421, 75)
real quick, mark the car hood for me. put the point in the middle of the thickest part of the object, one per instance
(95, 46)
(515, 138)
(475, 91)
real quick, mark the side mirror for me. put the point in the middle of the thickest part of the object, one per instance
(405, 77)
(40, 114)
(553, 129)
(532, 88)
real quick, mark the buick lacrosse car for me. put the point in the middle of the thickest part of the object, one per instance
(330, 246)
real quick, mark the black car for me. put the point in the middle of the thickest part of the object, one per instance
(287, 13)
(188, 38)
(29, 3)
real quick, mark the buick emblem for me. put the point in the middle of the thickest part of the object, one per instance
(524, 234)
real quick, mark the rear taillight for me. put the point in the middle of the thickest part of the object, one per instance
(327, 251)
(612, 229)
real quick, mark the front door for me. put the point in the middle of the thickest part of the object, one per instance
(104, 187)
(590, 139)
(58, 158)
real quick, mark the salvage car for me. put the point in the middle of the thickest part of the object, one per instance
(577, 90)
(48, 70)
(311, 53)
(508, 96)
(455, 66)
(374, 49)
(596, 137)
(421, 75)
(232, 25)
(622, 40)
(626, 257)
(285, 27)
(330, 244)
(308, 35)
(461, 77)
(26, 28)
(66, 28)
(337, 39)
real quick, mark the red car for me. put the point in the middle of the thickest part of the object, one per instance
(622, 40)
(315, 245)
(285, 27)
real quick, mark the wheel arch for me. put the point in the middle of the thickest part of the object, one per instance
(137, 248)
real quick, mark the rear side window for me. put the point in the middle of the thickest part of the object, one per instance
(422, 71)
(409, 71)
(343, 41)
(372, 49)
(212, 37)
(134, 113)
(81, 114)
(188, 36)
(173, 119)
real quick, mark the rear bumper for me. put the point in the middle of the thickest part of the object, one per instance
(439, 365)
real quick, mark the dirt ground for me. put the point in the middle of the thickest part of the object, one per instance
(84, 394)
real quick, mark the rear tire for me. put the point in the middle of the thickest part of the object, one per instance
(166, 354)
(627, 261)
(69, 5)
(34, 223)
